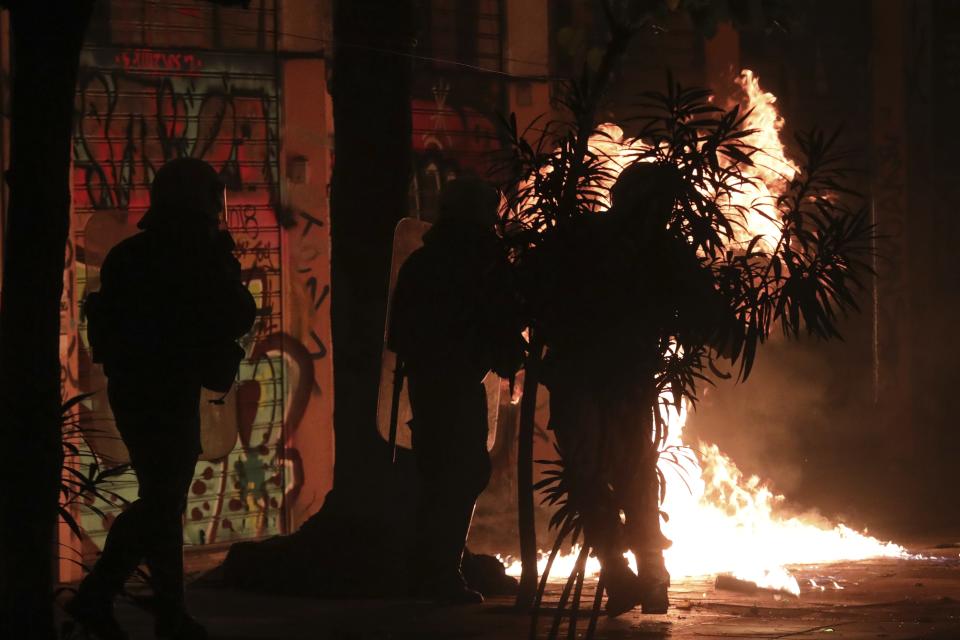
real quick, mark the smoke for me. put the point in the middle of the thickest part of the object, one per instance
(802, 422)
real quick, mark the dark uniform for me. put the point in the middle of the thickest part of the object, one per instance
(618, 288)
(164, 324)
(453, 319)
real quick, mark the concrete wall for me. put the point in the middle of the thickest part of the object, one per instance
(306, 159)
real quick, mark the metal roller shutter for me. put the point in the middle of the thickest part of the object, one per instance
(136, 109)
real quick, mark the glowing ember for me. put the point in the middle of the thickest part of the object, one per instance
(721, 521)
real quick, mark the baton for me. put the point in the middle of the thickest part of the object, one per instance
(395, 408)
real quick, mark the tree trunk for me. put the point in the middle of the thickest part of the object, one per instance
(372, 74)
(525, 507)
(47, 37)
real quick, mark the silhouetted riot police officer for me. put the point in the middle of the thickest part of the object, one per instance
(622, 289)
(453, 319)
(164, 324)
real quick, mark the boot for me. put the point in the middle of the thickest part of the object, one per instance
(443, 534)
(179, 626)
(468, 596)
(655, 580)
(449, 591)
(93, 614)
(624, 589)
(449, 594)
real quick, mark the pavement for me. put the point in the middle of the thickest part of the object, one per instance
(891, 599)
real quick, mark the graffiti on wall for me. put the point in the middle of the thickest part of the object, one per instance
(135, 111)
(451, 135)
(132, 121)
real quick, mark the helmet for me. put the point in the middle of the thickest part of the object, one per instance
(645, 181)
(185, 192)
(469, 200)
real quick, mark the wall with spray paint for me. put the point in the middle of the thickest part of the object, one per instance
(152, 88)
(270, 446)
(138, 108)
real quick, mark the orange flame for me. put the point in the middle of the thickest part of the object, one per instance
(771, 171)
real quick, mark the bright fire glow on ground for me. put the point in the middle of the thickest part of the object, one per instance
(726, 523)
(720, 520)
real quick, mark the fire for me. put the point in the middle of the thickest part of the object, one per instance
(720, 520)
(727, 522)
(724, 522)
(771, 171)
(753, 206)
(772, 166)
